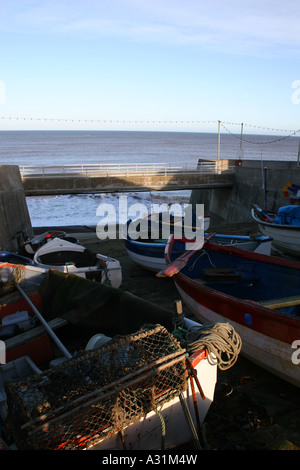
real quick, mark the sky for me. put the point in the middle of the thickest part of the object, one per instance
(179, 65)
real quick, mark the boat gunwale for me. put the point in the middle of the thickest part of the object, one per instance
(273, 224)
(160, 242)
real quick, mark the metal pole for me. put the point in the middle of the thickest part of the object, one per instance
(266, 189)
(241, 151)
(218, 140)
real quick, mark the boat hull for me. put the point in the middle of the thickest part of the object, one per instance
(28, 276)
(147, 255)
(8, 257)
(61, 255)
(269, 353)
(29, 340)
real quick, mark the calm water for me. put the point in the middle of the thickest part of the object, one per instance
(93, 147)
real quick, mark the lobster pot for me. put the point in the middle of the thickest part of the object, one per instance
(98, 393)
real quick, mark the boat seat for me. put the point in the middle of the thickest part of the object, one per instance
(221, 274)
(281, 303)
(23, 338)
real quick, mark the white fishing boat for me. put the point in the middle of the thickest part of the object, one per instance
(72, 258)
(33, 244)
(283, 227)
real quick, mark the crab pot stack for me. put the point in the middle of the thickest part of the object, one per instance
(98, 393)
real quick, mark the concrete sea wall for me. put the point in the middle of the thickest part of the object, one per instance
(13, 209)
(256, 182)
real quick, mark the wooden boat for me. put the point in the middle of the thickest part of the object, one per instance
(150, 254)
(15, 333)
(33, 244)
(27, 275)
(159, 225)
(258, 295)
(69, 257)
(283, 227)
(119, 393)
(14, 258)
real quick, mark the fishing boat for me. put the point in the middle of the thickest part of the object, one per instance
(14, 258)
(283, 227)
(16, 317)
(30, 246)
(168, 221)
(136, 380)
(150, 254)
(258, 295)
(27, 275)
(159, 225)
(73, 258)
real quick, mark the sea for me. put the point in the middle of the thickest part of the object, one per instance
(46, 148)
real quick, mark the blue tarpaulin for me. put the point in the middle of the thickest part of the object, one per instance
(289, 215)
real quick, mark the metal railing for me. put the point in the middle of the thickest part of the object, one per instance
(120, 169)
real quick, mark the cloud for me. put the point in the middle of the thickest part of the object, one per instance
(238, 27)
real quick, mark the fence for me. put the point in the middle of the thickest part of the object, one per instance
(119, 169)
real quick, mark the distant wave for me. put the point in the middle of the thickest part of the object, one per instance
(82, 209)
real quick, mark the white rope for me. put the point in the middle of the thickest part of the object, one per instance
(220, 339)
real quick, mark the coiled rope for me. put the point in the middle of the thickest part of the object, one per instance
(220, 339)
(16, 276)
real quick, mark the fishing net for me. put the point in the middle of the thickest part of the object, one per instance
(98, 393)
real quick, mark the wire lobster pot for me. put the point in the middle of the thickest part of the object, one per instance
(98, 393)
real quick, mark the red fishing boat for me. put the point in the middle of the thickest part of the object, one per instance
(258, 295)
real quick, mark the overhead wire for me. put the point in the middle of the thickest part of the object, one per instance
(242, 139)
(224, 124)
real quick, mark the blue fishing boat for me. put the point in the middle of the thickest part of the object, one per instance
(149, 253)
(8, 257)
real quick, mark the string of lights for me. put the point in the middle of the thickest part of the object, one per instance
(111, 121)
(224, 124)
